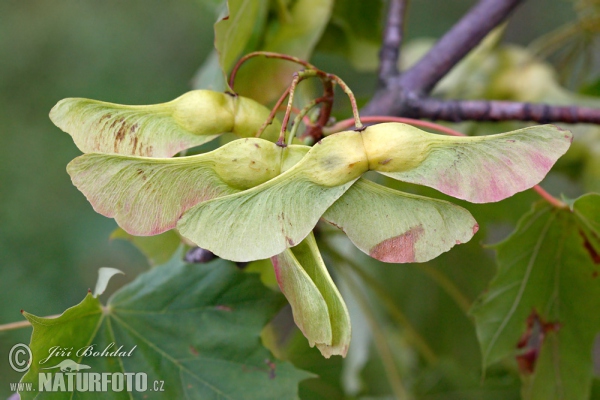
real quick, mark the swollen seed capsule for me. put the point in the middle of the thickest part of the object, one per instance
(292, 155)
(203, 112)
(249, 116)
(395, 147)
(159, 130)
(337, 159)
(245, 163)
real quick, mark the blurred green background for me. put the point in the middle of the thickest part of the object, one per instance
(131, 52)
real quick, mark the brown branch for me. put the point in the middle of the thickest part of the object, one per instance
(406, 94)
(480, 110)
(449, 50)
(392, 40)
(456, 43)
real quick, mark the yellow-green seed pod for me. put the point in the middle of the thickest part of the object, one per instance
(204, 112)
(292, 155)
(480, 169)
(246, 163)
(159, 130)
(337, 159)
(391, 149)
(249, 116)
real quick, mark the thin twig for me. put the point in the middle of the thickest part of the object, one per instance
(392, 99)
(298, 77)
(266, 54)
(269, 120)
(350, 95)
(301, 114)
(481, 110)
(549, 198)
(316, 131)
(347, 123)
(392, 40)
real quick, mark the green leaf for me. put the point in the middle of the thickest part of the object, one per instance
(157, 249)
(393, 226)
(265, 220)
(159, 130)
(318, 308)
(542, 306)
(197, 328)
(349, 35)
(295, 33)
(233, 31)
(210, 74)
(147, 196)
(478, 169)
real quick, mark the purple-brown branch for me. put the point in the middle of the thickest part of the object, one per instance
(392, 39)
(480, 110)
(406, 94)
(456, 43)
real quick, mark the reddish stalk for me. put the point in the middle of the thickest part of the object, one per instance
(357, 120)
(344, 124)
(298, 77)
(302, 114)
(549, 198)
(266, 54)
(440, 128)
(316, 131)
(269, 120)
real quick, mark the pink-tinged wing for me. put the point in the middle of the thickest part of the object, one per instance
(485, 169)
(147, 196)
(397, 227)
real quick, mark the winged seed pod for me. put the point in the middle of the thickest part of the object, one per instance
(252, 199)
(318, 308)
(147, 196)
(265, 220)
(159, 130)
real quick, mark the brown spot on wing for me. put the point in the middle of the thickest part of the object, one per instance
(135, 143)
(398, 249)
(105, 116)
(120, 134)
(387, 160)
